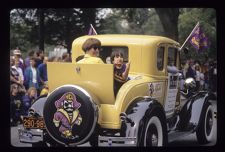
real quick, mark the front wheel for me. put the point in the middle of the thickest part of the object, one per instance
(204, 132)
(155, 133)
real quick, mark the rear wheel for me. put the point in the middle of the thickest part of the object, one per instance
(204, 132)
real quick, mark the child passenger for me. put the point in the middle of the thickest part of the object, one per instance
(121, 70)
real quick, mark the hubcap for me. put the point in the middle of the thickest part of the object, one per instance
(154, 140)
(153, 135)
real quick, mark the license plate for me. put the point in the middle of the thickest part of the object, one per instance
(33, 123)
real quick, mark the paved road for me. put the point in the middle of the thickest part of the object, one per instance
(189, 140)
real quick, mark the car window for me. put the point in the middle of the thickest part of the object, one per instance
(160, 58)
(106, 51)
(172, 55)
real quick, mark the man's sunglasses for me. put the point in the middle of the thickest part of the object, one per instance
(97, 47)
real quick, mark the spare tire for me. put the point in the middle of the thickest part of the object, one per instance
(70, 115)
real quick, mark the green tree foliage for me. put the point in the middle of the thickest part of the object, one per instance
(132, 21)
(23, 28)
(60, 26)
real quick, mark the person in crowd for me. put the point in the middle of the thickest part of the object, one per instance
(44, 90)
(202, 81)
(27, 60)
(91, 47)
(32, 76)
(14, 74)
(19, 70)
(171, 68)
(197, 76)
(17, 55)
(66, 57)
(39, 57)
(121, 70)
(186, 66)
(182, 78)
(55, 59)
(191, 71)
(16, 105)
(43, 72)
(213, 76)
(28, 99)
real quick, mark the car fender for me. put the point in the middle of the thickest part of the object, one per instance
(190, 114)
(38, 105)
(136, 114)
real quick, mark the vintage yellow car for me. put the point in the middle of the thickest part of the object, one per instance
(150, 106)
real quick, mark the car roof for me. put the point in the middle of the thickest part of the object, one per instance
(126, 38)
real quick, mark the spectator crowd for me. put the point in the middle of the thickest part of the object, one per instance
(204, 74)
(28, 81)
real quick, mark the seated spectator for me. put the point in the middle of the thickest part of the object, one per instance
(28, 99)
(16, 105)
(121, 70)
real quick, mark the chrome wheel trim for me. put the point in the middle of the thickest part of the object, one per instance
(156, 138)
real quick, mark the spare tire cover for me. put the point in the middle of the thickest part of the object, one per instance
(70, 115)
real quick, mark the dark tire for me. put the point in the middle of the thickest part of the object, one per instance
(40, 144)
(204, 132)
(154, 132)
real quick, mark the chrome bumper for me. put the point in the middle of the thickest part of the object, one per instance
(105, 141)
(30, 136)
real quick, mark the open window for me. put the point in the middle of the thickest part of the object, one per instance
(172, 56)
(160, 58)
(106, 51)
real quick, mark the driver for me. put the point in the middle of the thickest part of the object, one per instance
(91, 47)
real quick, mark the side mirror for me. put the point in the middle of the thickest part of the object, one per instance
(190, 84)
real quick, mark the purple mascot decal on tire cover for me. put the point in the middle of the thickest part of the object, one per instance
(68, 114)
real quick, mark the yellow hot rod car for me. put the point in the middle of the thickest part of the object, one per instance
(147, 109)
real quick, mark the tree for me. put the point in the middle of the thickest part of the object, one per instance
(41, 29)
(131, 21)
(49, 26)
(169, 20)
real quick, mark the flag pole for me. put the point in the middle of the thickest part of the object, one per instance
(189, 36)
(93, 29)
